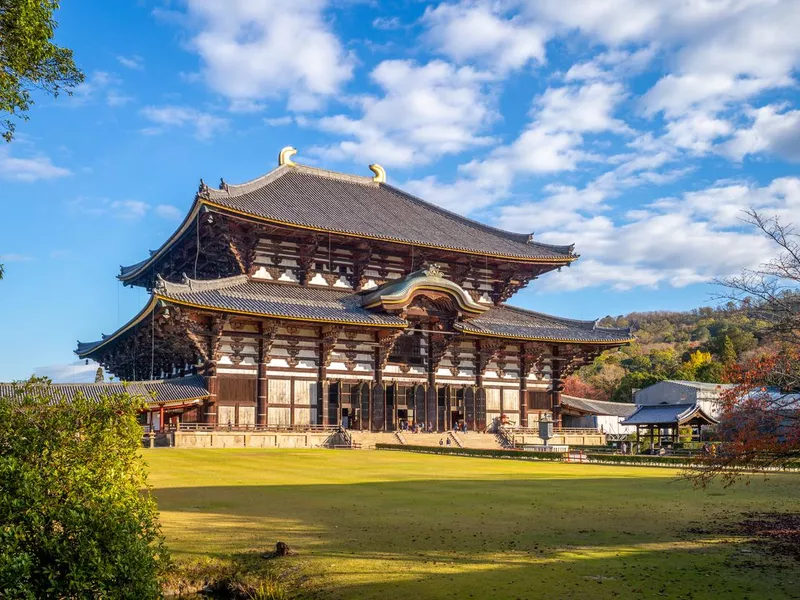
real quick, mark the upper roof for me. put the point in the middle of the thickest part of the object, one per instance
(242, 295)
(599, 407)
(517, 323)
(178, 390)
(319, 200)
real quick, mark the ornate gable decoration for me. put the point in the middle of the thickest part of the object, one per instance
(398, 294)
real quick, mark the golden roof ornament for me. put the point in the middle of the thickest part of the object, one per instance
(433, 271)
(285, 156)
(380, 173)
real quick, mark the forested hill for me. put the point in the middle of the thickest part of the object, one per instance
(694, 345)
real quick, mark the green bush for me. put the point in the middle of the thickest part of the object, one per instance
(519, 454)
(77, 519)
(639, 459)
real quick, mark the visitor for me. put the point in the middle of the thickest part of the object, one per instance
(706, 449)
(464, 427)
(624, 448)
(441, 443)
(448, 441)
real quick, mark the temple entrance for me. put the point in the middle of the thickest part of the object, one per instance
(347, 418)
(456, 419)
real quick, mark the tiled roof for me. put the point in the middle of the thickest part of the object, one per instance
(169, 391)
(329, 201)
(276, 300)
(667, 414)
(268, 299)
(321, 200)
(599, 407)
(512, 322)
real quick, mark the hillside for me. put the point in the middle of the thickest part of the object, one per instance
(695, 345)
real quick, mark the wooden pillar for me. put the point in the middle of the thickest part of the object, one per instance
(377, 420)
(261, 395)
(212, 383)
(556, 386)
(523, 389)
(431, 398)
(161, 417)
(323, 388)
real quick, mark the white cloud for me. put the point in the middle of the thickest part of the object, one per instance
(29, 169)
(74, 372)
(205, 125)
(279, 121)
(169, 212)
(554, 139)
(132, 62)
(125, 210)
(426, 111)
(387, 23)
(100, 86)
(10, 257)
(473, 30)
(773, 129)
(675, 242)
(257, 49)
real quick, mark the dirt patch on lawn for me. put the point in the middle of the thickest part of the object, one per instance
(779, 533)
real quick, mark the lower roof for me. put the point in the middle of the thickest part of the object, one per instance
(268, 299)
(179, 390)
(598, 407)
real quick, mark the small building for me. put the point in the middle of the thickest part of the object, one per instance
(166, 401)
(672, 391)
(662, 409)
(605, 417)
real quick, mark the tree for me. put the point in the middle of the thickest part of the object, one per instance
(576, 387)
(29, 60)
(760, 422)
(99, 376)
(77, 519)
(1, 271)
(607, 379)
(634, 381)
(712, 372)
(728, 354)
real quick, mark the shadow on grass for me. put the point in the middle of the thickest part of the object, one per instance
(562, 538)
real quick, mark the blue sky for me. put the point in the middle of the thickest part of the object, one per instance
(638, 130)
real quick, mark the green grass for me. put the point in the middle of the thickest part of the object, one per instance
(400, 525)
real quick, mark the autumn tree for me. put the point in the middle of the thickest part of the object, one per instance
(29, 60)
(99, 376)
(760, 422)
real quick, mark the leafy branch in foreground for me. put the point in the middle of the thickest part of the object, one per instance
(29, 60)
(77, 519)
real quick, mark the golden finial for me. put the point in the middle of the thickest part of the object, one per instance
(380, 173)
(285, 156)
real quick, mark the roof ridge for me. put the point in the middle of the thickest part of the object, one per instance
(197, 285)
(523, 238)
(592, 324)
(231, 190)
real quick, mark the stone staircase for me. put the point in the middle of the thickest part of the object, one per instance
(366, 440)
(487, 441)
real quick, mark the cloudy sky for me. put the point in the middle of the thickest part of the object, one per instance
(637, 130)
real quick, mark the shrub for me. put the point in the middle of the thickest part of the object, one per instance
(488, 452)
(77, 519)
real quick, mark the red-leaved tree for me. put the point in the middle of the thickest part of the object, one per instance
(578, 388)
(760, 422)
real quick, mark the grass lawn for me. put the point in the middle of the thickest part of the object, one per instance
(401, 525)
